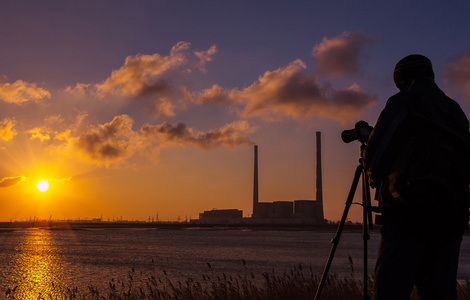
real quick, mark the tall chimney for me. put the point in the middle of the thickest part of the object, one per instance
(255, 184)
(319, 199)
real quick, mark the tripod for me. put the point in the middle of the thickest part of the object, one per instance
(367, 222)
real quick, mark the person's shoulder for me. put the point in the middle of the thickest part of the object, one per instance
(400, 99)
(395, 98)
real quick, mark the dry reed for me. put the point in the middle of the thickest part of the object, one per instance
(297, 283)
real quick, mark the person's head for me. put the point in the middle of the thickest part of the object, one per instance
(410, 69)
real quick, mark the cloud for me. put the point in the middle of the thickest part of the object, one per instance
(6, 129)
(151, 79)
(214, 95)
(43, 133)
(230, 135)
(80, 89)
(108, 143)
(11, 181)
(341, 55)
(100, 144)
(289, 92)
(457, 73)
(21, 91)
(164, 107)
(115, 141)
(205, 57)
(141, 74)
(59, 180)
(40, 133)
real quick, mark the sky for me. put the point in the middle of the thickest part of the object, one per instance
(150, 109)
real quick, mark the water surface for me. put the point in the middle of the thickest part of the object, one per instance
(39, 260)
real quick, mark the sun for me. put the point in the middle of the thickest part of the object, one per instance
(42, 185)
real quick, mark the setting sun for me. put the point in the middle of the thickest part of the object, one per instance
(42, 185)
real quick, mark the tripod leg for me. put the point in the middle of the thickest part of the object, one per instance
(368, 199)
(367, 217)
(335, 240)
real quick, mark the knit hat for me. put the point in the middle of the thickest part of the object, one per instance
(413, 66)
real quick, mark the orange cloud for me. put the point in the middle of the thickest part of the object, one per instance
(164, 107)
(21, 91)
(115, 141)
(457, 73)
(43, 133)
(230, 135)
(11, 181)
(140, 74)
(288, 92)
(6, 129)
(65, 179)
(80, 89)
(104, 144)
(341, 55)
(108, 143)
(150, 79)
(214, 95)
(40, 133)
(205, 57)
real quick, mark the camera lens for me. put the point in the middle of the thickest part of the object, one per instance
(349, 135)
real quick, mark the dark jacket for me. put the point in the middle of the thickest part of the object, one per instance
(413, 124)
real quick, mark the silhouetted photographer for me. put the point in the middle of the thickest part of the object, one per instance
(417, 156)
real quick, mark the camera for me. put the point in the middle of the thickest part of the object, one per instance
(360, 132)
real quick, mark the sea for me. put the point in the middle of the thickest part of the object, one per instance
(32, 260)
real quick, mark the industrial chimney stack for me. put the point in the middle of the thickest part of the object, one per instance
(319, 200)
(255, 184)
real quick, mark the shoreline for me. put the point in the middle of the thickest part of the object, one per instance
(88, 225)
(83, 225)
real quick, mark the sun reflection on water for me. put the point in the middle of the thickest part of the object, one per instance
(37, 267)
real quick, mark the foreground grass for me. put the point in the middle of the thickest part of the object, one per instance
(298, 283)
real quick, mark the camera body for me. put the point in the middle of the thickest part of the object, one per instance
(360, 132)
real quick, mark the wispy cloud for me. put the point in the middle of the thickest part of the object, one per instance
(115, 141)
(40, 133)
(230, 135)
(49, 127)
(20, 91)
(152, 82)
(59, 180)
(141, 74)
(80, 89)
(149, 79)
(7, 132)
(11, 181)
(457, 73)
(214, 95)
(205, 57)
(341, 55)
(290, 92)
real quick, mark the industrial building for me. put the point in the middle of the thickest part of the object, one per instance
(301, 212)
(221, 216)
(289, 212)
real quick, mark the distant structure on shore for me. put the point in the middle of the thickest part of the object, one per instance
(297, 212)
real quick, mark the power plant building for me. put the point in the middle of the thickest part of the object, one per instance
(221, 216)
(305, 212)
(289, 212)
(305, 209)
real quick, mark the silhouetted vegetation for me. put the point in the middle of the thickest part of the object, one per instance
(298, 283)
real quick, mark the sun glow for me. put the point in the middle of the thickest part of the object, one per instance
(42, 185)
